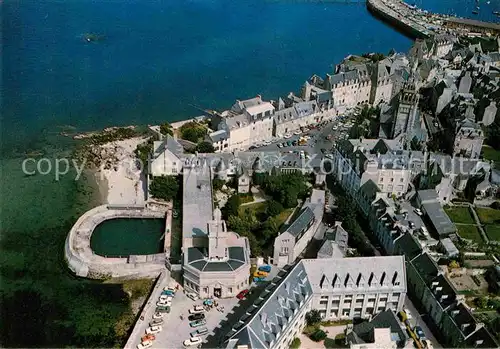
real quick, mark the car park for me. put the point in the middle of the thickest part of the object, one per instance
(197, 316)
(242, 294)
(154, 329)
(193, 341)
(156, 322)
(144, 345)
(198, 323)
(197, 309)
(265, 268)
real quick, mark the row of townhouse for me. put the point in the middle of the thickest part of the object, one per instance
(340, 288)
(404, 227)
(254, 120)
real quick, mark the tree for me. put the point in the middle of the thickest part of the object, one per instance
(481, 302)
(164, 187)
(273, 208)
(313, 317)
(318, 336)
(205, 147)
(232, 206)
(454, 265)
(295, 343)
(166, 129)
(218, 183)
(193, 131)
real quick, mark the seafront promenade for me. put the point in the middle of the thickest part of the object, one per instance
(417, 23)
(85, 263)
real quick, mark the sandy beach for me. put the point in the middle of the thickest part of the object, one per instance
(119, 177)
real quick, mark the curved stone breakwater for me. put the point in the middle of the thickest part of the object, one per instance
(85, 263)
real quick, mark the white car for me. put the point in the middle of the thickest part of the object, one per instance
(158, 315)
(154, 330)
(163, 304)
(418, 211)
(298, 132)
(192, 295)
(288, 135)
(145, 344)
(197, 309)
(267, 142)
(193, 341)
(165, 298)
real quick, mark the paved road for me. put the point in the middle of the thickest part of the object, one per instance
(417, 320)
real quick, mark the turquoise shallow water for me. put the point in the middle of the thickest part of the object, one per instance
(124, 237)
(156, 59)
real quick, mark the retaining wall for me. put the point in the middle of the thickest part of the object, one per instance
(85, 263)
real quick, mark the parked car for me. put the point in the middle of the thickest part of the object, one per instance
(265, 268)
(163, 309)
(418, 211)
(164, 304)
(165, 298)
(420, 333)
(192, 295)
(158, 315)
(280, 145)
(175, 214)
(198, 316)
(154, 329)
(298, 132)
(242, 294)
(197, 309)
(156, 322)
(288, 135)
(144, 345)
(191, 342)
(197, 323)
(252, 147)
(259, 279)
(259, 274)
(148, 337)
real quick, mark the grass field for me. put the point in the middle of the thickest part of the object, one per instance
(490, 153)
(469, 232)
(493, 231)
(488, 215)
(256, 208)
(459, 215)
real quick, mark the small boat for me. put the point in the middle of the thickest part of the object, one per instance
(496, 13)
(475, 12)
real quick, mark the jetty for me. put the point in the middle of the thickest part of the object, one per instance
(418, 23)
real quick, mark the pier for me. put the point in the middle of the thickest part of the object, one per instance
(417, 23)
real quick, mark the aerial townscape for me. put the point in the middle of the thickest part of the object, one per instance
(360, 211)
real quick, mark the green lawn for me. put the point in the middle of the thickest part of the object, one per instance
(282, 217)
(490, 153)
(459, 215)
(258, 207)
(469, 232)
(488, 215)
(493, 231)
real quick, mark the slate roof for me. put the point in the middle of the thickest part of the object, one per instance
(384, 319)
(197, 206)
(409, 246)
(439, 219)
(218, 136)
(197, 259)
(360, 274)
(305, 217)
(276, 305)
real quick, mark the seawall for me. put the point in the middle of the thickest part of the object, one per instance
(82, 261)
(387, 15)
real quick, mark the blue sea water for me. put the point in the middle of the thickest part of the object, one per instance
(160, 57)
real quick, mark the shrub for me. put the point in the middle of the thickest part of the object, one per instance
(313, 317)
(295, 343)
(164, 187)
(318, 336)
(329, 343)
(218, 183)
